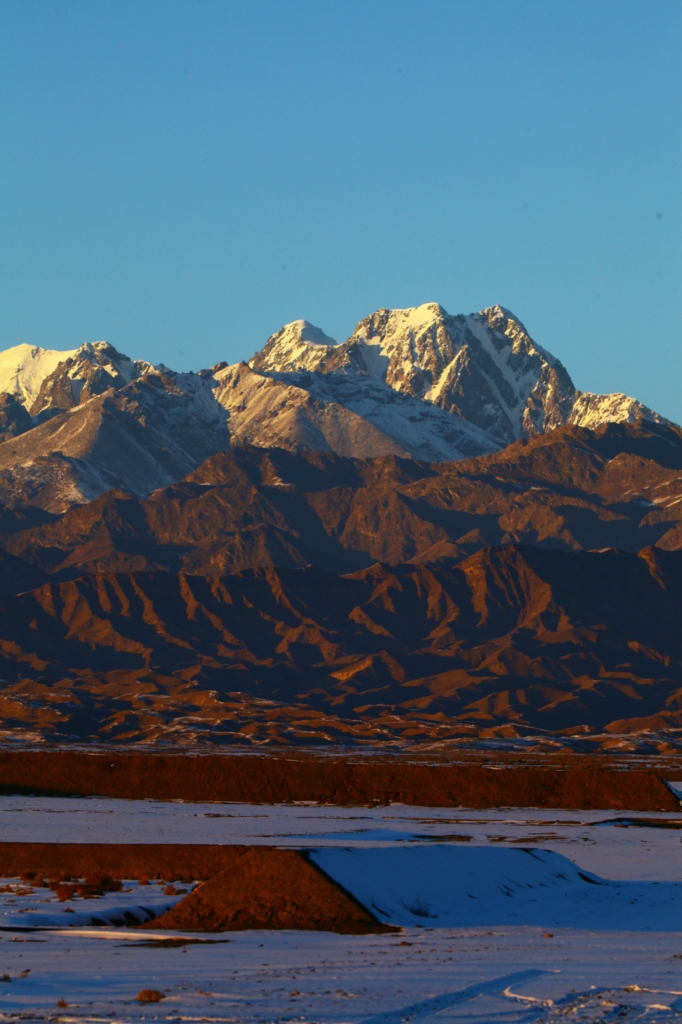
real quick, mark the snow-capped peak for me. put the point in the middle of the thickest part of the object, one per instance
(46, 381)
(305, 331)
(590, 410)
(414, 381)
(296, 346)
(23, 369)
(483, 368)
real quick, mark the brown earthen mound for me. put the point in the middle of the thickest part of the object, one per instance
(243, 886)
(150, 995)
(270, 888)
(579, 782)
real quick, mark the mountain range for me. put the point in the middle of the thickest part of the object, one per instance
(423, 534)
(571, 489)
(414, 383)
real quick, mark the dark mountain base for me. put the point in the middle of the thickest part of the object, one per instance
(512, 642)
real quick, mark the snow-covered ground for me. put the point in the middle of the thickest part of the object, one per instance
(586, 926)
(602, 842)
(459, 974)
(27, 905)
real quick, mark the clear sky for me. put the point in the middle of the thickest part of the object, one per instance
(182, 177)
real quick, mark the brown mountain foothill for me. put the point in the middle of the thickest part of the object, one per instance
(570, 489)
(512, 641)
(16, 575)
(274, 596)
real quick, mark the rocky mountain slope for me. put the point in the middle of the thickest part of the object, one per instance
(572, 489)
(415, 382)
(513, 641)
(140, 437)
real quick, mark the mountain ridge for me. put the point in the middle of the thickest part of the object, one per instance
(571, 489)
(414, 383)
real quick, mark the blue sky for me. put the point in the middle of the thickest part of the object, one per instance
(182, 178)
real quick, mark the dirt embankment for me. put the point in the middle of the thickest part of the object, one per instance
(176, 861)
(577, 783)
(271, 888)
(243, 886)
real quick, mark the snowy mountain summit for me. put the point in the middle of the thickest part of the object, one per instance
(411, 382)
(484, 369)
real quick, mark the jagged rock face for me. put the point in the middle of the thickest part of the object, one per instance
(14, 419)
(484, 370)
(592, 410)
(92, 370)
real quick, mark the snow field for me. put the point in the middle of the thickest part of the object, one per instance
(446, 975)
(605, 843)
(452, 886)
(27, 905)
(542, 916)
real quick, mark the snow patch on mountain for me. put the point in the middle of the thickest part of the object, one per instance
(296, 346)
(23, 369)
(592, 410)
